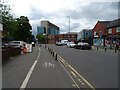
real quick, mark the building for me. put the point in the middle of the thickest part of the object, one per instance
(85, 35)
(40, 30)
(54, 38)
(99, 33)
(50, 29)
(113, 33)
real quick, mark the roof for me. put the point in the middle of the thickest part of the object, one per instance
(114, 23)
(106, 23)
(87, 30)
(71, 33)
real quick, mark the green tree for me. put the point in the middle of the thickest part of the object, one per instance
(23, 31)
(6, 19)
(41, 38)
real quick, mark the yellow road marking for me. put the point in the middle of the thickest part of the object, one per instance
(78, 74)
(73, 73)
(69, 75)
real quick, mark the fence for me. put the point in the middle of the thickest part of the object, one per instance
(10, 52)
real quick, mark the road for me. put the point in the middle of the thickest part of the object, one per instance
(99, 67)
(76, 69)
(47, 73)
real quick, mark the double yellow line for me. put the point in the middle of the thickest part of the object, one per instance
(74, 72)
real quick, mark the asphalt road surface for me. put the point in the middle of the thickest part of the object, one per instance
(74, 69)
(38, 69)
(100, 68)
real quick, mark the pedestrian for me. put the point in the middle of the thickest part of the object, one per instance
(117, 45)
(24, 49)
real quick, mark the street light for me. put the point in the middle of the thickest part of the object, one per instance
(69, 26)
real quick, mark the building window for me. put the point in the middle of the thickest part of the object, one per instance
(110, 30)
(95, 33)
(118, 29)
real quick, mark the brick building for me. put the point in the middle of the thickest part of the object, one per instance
(99, 33)
(53, 38)
(113, 33)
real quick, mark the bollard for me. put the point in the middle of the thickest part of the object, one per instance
(97, 47)
(105, 49)
(53, 53)
(115, 50)
(56, 57)
(45, 46)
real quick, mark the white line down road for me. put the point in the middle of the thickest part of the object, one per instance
(24, 84)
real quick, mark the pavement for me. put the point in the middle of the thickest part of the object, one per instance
(103, 49)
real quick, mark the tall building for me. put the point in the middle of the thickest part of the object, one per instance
(50, 29)
(40, 30)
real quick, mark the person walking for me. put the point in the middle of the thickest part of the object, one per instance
(117, 45)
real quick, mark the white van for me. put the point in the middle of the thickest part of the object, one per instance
(64, 42)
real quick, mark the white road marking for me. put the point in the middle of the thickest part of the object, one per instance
(74, 85)
(48, 64)
(25, 82)
(79, 80)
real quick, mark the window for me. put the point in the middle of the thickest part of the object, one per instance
(110, 30)
(118, 29)
(95, 33)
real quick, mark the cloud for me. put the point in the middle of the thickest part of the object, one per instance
(83, 14)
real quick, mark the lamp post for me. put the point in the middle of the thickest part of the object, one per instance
(69, 26)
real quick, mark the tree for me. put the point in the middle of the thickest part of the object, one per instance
(23, 33)
(41, 38)
(6, 19)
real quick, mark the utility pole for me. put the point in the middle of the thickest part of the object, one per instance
(69, 26)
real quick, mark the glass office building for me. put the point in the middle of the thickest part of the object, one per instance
(53, 31)
(50, 29)
(40, 30)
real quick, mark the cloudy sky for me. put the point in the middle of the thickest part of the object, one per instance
(83, 13)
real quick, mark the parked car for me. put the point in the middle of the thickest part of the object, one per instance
(62, 42)
(83, 45)
(17, 44)
(58, 43)
(70, 44)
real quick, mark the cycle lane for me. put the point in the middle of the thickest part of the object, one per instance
(48, 73)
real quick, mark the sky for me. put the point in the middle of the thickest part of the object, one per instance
(83, 14)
